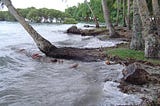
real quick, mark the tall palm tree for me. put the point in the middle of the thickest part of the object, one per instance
(152, 38)
(137, 41)
(118, 11)
(124, 13)
(95, 18)
(145, 16)
(112, 31)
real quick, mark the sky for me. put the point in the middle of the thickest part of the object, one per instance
(54, 4)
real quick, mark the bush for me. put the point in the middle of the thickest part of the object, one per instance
(70, 21)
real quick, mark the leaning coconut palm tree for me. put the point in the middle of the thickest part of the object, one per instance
(45, 46)
(95, 18)
(112, 31)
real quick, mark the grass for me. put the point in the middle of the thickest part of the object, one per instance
(125, 53)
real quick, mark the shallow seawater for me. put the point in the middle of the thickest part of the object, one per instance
(29, 82)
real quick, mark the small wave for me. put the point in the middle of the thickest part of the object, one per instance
(4, 61)
(9, 96)
(112, 93)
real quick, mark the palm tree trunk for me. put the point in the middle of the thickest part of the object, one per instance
(118, 10)
(128, 16)
(112, 32)
(152, 39)
(144, 13)
(137, 41)
(156, 13)
(44, 45)
(124, 13)
(95, 18)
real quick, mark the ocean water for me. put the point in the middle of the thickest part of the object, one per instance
(25, 81)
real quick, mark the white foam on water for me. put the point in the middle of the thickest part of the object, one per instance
(115, 97)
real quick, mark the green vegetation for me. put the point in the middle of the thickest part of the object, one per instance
(70, 21)
(125, 53)
(81, 13)
(6, 16)
(36, 15)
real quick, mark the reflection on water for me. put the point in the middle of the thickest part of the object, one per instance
(28, 82)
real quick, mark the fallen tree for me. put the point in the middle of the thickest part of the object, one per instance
(51, 50)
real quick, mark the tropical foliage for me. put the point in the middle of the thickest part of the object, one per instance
(81, 12)
(70, 21)
(36, 15)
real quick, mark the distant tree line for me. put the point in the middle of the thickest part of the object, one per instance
(81, 13)
(37, 15)
(119, 13)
